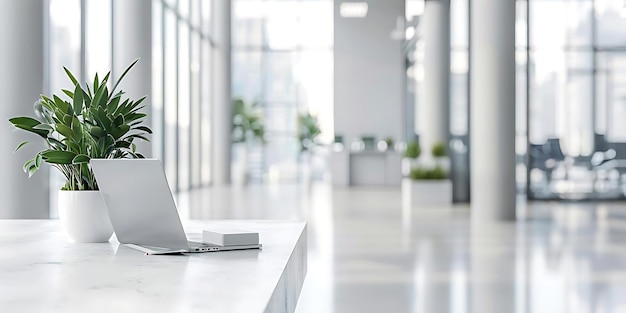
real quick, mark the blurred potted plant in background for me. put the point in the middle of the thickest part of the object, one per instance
(428, 183)
(92, 123)
(440, 156)
(247, 128)
(308, 134)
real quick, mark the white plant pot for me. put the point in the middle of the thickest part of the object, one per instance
(416, 193)
(84, 216)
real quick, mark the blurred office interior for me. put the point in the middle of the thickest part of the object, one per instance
(305, 110)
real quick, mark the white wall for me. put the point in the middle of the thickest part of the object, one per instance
(369, 73)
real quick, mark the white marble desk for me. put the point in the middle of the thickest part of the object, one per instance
(41, 271)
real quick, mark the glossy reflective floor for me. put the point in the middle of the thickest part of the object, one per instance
(367, 254)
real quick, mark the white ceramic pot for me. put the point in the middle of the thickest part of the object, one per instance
(84, 216)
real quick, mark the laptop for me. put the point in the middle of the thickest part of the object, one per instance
(142, 209)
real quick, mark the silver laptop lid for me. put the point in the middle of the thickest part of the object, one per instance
(140, 203)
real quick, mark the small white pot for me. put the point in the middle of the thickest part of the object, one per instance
(84, 216)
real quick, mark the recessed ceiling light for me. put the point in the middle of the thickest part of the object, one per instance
(353, 9)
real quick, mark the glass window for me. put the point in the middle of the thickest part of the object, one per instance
(246, 75)
(281, 25)
(206, 111)
(206, 7)
(282, 57)
(183, 9)
(610, 23)
(570, 28)
(459, 20)
(278, 78)
(247, 29)
(184, 106)
(612, 87)
(196, 119)
(171, 99)
(157, 80)
(196, 14)
(98, 38)
(459, 115)
(65, 42)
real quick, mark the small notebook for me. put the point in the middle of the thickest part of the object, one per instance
(230, 237)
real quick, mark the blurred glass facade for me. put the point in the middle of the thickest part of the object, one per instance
(181, 90)
(282, 55)
(570, 75)
(575, 100)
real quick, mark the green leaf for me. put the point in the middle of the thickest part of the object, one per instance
(56, 144)
(26, 121)
(97, 132)
(80, 159)
(58, 157)
(123, 144)
(20, 146)
(44, 127)
(32, 170)
(78, 99)
(28, 124)
(68, 93)
(38, 160)
(120, 131)
(138, 136)
(124, 74)
(71, 76)
(144, 128)
(65, 131)
(96, 83)
(28, 164)
(119, 120)
(62, 105)
(112, 106)
(67, 120)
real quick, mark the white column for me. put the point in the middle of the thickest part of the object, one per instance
(434, 110)
(222, 106)
(132, 39)
(21, 83)
(492, 61)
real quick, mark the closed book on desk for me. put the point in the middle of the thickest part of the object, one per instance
(230, 237)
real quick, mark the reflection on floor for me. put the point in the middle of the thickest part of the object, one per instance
(368, 255)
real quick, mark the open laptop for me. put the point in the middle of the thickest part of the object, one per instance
(142, 209)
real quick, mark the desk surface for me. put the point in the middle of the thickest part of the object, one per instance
(41, 271)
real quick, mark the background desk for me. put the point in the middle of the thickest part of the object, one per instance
(41, 271)
(365, 168)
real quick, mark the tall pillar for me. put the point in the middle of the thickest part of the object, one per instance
(222, 107)
(132, 39)
(492, 87)
(21, 83)
(434, 112)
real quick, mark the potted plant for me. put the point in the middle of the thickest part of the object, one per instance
(440, 156)
(428, 183)
(412, 152)
(247, 128)
(308, 134)
(92, 122)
